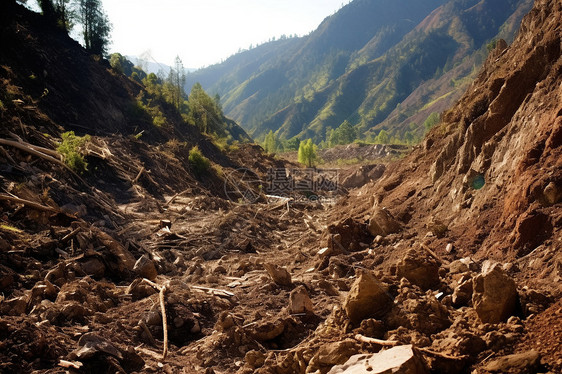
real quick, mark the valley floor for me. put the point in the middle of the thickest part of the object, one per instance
(231, 307)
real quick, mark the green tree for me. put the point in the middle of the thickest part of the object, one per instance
(204, 113)
(65, 14)
(347, 133)
(293, 144)
(270, 142)
(176, 79)
(432, 120)
(95, 26)
(121, 64)
(382, 137)
(307, 153)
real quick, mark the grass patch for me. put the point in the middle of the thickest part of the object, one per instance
(199, 163)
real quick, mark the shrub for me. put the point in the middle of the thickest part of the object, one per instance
(70, 148)
(199, 163)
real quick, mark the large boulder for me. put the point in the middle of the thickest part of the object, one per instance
(398, 360)
(382, 223)
(494, 294)
(368, 298)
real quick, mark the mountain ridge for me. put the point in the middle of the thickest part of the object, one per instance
(307, 102)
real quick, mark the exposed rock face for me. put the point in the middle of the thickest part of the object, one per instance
(397, 360)
(494, 295)
(382, 223)
(367, 298)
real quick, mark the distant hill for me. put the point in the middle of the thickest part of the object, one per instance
(379, 64)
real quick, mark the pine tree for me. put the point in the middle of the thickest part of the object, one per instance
(307, 153)
(270, 142)
(95, 25)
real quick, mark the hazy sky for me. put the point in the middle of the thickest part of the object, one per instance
(204, 32)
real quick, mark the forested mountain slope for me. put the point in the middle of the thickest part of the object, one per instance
(378, 64)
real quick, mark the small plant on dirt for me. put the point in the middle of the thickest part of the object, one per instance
(199, 163)
(71, 149)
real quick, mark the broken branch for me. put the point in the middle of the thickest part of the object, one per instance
(138, 175)
(28, 203)
(31, 149)
(442, 355)
(162, 290)
(383, 343)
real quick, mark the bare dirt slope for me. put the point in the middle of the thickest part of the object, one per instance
(455, 251)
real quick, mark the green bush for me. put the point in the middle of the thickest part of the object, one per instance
(199, 163)
(70, 148)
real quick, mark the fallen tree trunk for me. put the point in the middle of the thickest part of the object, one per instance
(28, 203)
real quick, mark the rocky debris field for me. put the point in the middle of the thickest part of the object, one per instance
(260, 288)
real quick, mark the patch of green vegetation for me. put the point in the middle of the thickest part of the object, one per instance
(199, 163)
(432, 120)
(71, 149)
(2, 106)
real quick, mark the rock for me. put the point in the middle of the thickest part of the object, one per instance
(463, 265)
(145, 268)
(531, 230)
(419, 268)
(552, 193)
(363, 175)
(225, 322)
(74, 311)
(367, 298)
(495, 340)
(278, 274)
(494, 295)
(328, 287)
(14, 307)
(462, 294)
(124, 260)
(255, 359)
(382, 223)
(90, 344)
(93, 266)
(299, 301)
(372, 328)
(43, 290)
(520, 361)
(268, 330)
(397, 360)
(346, 236)
(138, 289)
(337, 353)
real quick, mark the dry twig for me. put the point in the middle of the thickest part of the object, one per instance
(383, 343)
(161, 295)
